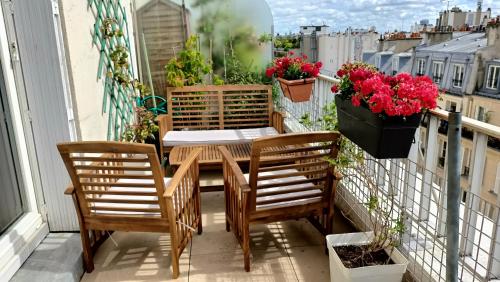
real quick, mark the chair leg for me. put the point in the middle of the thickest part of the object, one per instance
(175, 263)
(88, 258)
(198, 207)
(246, 247)
(228, 226)
(329, 221)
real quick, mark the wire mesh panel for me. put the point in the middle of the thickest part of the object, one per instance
(111, 36)
(419, 196)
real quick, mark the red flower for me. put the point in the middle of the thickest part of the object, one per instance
(335, 88)
(356, 101)
(400, 95)
(270, 72)
(308, 68)
(281, 66)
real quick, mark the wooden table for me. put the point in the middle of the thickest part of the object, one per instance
(210, 157)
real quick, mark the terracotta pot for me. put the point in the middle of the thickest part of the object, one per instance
(299, 90)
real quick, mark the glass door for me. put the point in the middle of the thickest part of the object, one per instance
(11, 205)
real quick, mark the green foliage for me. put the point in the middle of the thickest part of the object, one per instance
(293, 72)
(276, 96)
(306, 121)
(266, 37)
(287, 42)
(189, 67)
(144, 129)
(231, 45)
(110, 28)
(237, 73)
(217, 80)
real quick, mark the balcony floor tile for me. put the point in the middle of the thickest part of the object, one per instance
(283, 251)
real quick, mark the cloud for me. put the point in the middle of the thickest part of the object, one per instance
(383, 14)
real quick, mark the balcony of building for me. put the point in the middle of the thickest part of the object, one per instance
(281, 251)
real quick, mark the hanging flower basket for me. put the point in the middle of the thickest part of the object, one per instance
(381, 137)
(381, 113)
(299, 90)
(295, 75)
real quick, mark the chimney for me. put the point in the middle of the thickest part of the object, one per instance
(493, 32)
(477, 21)
(436, 37)
(380, 45)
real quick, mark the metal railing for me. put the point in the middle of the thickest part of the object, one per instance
(420, 189)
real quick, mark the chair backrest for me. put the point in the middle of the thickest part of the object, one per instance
(220, 107)
(292, 164)
(115, 179)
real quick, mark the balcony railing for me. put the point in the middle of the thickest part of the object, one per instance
(420, 189)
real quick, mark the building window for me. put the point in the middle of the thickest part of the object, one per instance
(466, 162)
(442, 157)
(496, 188)
(420, 67)
(437, 72)
(451, 106)
(458, 76)
(492, 79)
(395, 65)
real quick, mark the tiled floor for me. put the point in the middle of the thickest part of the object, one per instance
(284, 251)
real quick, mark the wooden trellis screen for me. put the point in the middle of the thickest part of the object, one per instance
(118, 99)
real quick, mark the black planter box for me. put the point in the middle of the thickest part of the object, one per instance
(383, 138)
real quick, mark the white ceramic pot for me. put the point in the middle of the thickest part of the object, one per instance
(379, 273)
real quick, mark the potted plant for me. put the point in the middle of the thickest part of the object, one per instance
(365, 256)
(295, 75)
(372, 255)
(381, 113)
(144, 130)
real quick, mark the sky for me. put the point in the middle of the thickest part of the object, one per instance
(385, 15)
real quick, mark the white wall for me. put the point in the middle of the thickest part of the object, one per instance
(83, 61)
(337, 49)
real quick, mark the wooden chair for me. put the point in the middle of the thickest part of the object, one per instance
(290, 178)
(121, 187)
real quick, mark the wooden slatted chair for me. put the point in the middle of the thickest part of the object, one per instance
(120, 187)
(290, 178)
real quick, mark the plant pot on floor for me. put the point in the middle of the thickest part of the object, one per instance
(381, 137)
(374, 273)
(299, 90)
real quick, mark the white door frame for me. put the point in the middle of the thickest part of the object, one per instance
(17, 243)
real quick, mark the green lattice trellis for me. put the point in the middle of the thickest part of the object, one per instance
(118, 100)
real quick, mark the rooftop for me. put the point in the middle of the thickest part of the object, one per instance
(468, 43)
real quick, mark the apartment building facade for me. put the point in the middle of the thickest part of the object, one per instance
(467, 70)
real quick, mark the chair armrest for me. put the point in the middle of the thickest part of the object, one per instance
(233, 170)
(69, 190)
(184, 172)
(165, 125)
(278, 122)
